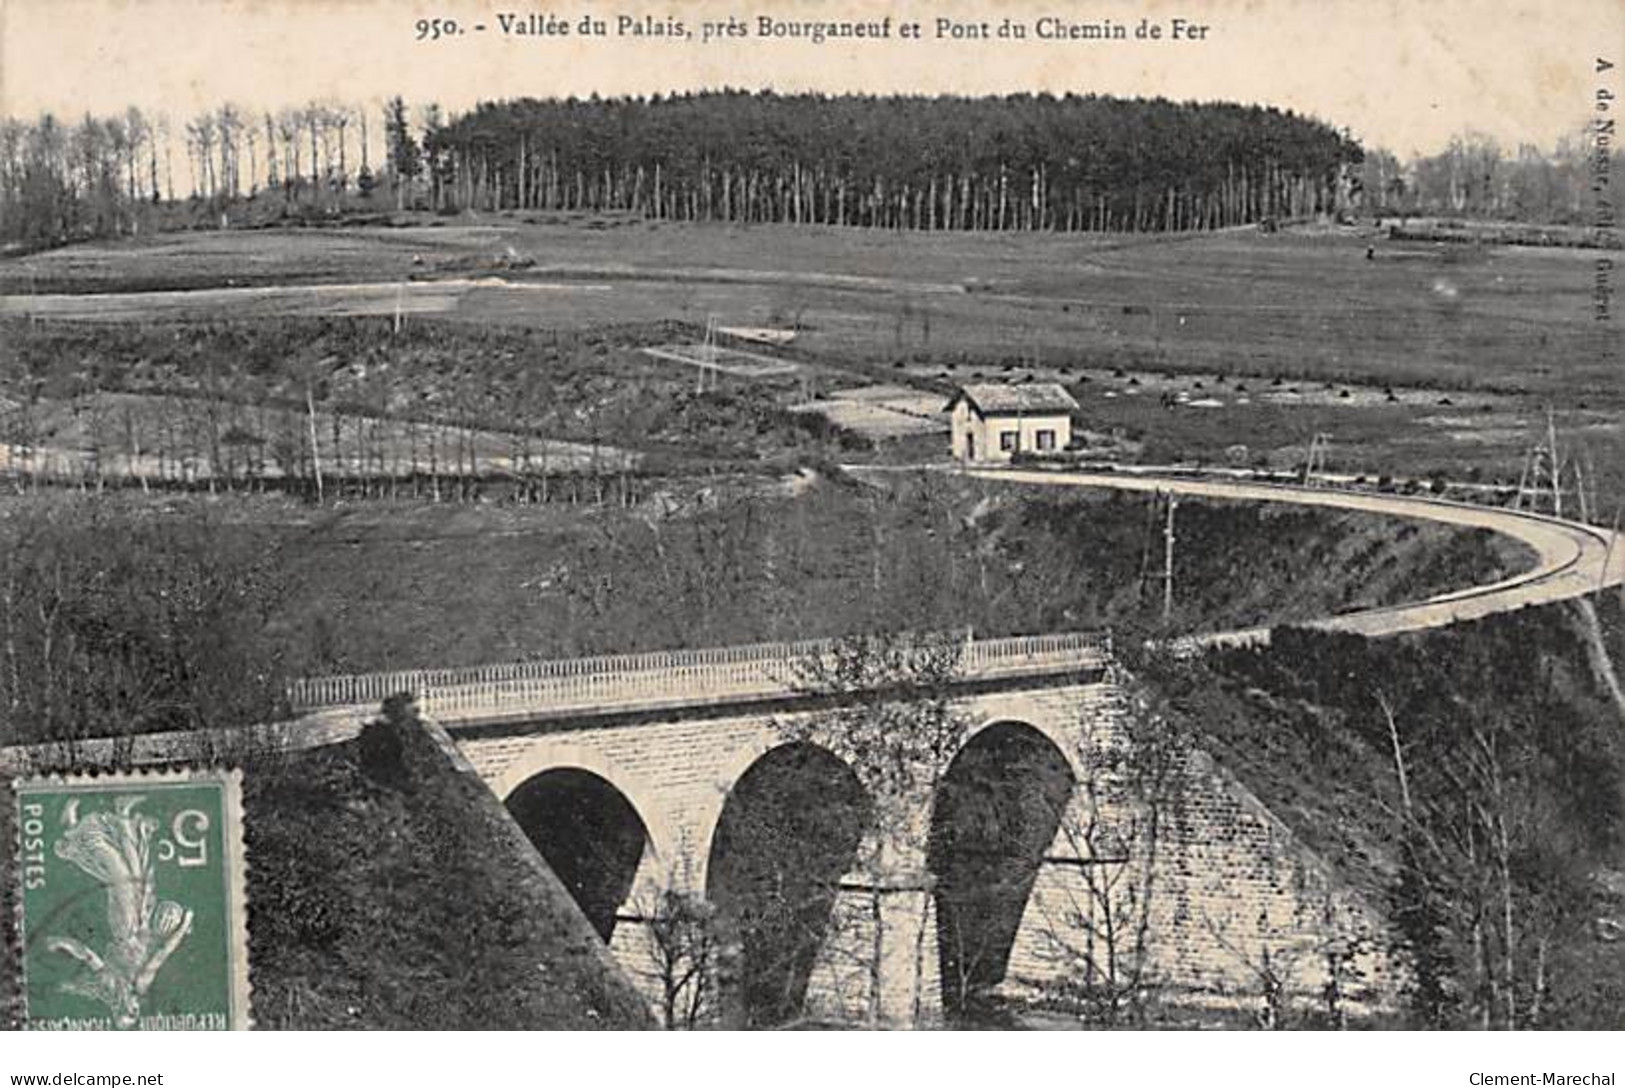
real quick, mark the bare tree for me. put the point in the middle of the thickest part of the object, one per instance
(683, 957)
(338, 121)
(251, 136)
(201, 137)
(229, 124)
(314, 117)
(289, 124)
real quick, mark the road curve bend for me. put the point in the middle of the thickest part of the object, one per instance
(1572, 558)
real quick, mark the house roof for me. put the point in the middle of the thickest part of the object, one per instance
(1007, 400)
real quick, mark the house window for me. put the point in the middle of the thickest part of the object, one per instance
(1046, 440)
(1007, 440)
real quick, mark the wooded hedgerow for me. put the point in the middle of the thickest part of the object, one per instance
(1020, 162)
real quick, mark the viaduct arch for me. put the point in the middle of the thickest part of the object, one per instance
(983, 892)
(788, 835)
(994, 819)
(590, 834)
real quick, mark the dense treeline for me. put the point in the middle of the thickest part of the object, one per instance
(59, 183)
(1475, 177)
(1020, 162)
(104, 176)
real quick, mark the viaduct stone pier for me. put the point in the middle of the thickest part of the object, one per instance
(1070, 846)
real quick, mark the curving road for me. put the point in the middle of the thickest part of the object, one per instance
(1573, 559)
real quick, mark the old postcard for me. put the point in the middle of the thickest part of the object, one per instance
(812, 514)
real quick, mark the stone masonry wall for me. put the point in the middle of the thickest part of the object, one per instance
(1236, 905)
(1228, 904)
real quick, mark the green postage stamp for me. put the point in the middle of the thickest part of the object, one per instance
(131, 901)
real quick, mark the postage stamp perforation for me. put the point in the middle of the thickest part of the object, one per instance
(11, 915)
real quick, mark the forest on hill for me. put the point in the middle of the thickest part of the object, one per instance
(1020, 162)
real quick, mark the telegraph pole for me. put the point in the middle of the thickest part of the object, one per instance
(1580, 490)
(1523, 478)
(1316, 457)
(315, 448)
(1557, 464)
(1168, 558)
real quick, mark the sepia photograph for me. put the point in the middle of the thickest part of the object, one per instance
(832, 515)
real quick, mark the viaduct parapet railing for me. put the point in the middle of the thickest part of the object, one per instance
(665, 678)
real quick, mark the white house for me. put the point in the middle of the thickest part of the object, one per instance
(995, 422)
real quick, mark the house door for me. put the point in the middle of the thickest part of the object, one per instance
(970, 445)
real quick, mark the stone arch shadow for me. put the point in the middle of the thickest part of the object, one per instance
(593, 825)
(994, 820)
(788, 832)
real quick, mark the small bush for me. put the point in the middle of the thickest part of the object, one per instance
(380, 749)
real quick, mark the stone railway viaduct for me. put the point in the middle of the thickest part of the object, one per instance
(652, 754)
(628, 771)
(646, 755)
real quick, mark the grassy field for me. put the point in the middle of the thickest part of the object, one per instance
(1309, 303)
(1239, 346)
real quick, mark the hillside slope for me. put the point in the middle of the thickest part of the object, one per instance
(1497, 850)
(370, 590)
(384, 894)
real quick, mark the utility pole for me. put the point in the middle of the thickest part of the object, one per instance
(1595, 505)
(1580, 490)
(1557, 464)
(1316, 457)
(1523, 477)
(1168, 558)
(708, 353)
(315, 450)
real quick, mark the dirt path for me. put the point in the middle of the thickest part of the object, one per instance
(1572, 559)
(380, 297)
